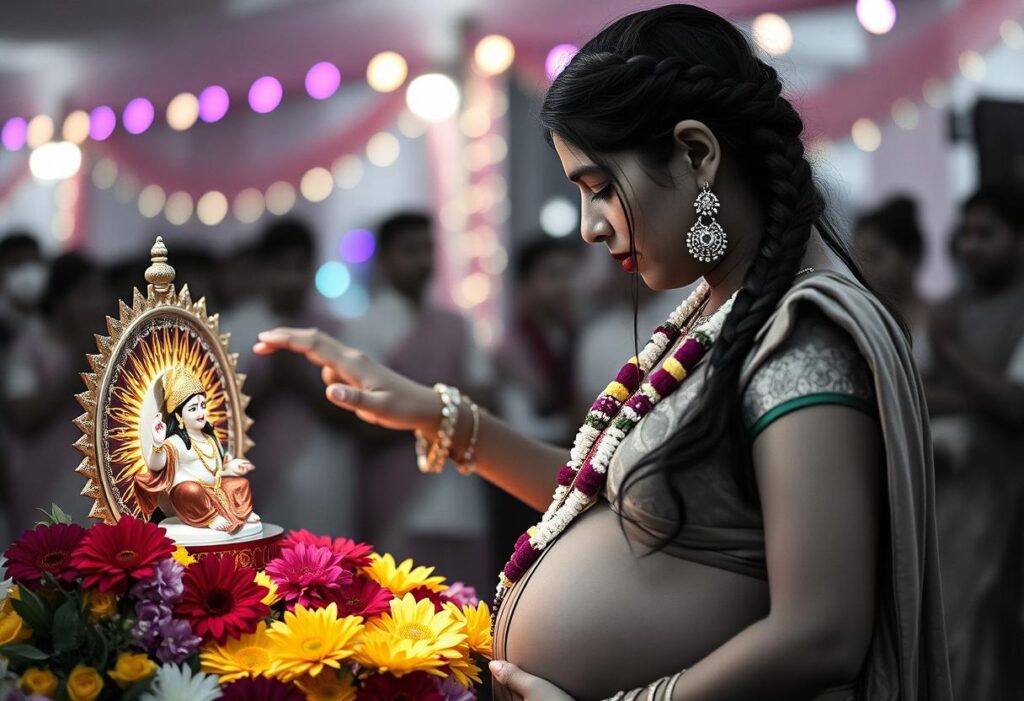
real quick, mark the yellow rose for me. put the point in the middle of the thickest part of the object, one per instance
(130, 668)
(182, 556)
(102, 605)
(13, 629)
(5, 605)
(39, 681)
(84, 684)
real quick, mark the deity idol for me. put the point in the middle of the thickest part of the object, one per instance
(206, 487)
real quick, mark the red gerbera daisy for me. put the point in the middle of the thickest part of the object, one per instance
(353, 555)
(109, 556)
(309, 575)
(44, 549)
(362, 597)
(436, 598)
(418, 686)
(221, 599)
(260, 689)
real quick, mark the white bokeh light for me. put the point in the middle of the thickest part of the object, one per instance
(558, 217)
(55, 160)
(433, 97)
(773, 34)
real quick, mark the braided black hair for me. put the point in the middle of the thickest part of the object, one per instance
(625, 91)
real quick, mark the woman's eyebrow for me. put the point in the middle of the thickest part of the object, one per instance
(582, 171)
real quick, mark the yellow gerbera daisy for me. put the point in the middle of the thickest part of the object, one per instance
(329, 686)
(401, 579)
(478, 626)
(264, 580)
(308, 640)
(464, 669)
(413, 637)
(247, 656)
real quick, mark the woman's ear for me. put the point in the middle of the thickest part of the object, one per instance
(697, 151)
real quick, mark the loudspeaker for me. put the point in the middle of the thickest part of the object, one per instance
(999, 137)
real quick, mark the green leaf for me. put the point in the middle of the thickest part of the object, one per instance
(23, 653)
(33, 610)
(53, 516)
(67, 627)
(137, 689)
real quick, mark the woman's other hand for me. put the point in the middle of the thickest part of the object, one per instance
(357, 383)
(517, 685)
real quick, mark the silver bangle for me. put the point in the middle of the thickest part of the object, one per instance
(467, 465)
(431, 456)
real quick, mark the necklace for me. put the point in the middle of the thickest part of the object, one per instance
(621, 406)
(213, 469)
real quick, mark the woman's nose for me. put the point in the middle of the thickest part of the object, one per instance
(594, 229)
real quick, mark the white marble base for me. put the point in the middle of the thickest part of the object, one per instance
(190, 535)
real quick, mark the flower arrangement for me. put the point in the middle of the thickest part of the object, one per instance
(120, 612)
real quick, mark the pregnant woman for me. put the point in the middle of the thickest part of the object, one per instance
(747, 511)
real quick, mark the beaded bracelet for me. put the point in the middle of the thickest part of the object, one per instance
(431, 457)
(467, 465)
(651, 689)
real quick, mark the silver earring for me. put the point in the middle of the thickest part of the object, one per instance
(706, 240)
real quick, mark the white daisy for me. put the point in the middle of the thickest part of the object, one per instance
(177, 683)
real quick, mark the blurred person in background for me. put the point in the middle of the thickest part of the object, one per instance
(436, 519)
(977, 340)
(890, 246)
(535, 360)
(37, 386)
(537, 354)
(22, 283)
(303, 452)
(602, 344)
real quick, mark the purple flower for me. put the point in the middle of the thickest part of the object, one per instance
(151, 617)
(462, 595)
(164, 586)
(177, 642)
(453, 691)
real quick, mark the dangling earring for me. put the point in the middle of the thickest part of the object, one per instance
(707, 240)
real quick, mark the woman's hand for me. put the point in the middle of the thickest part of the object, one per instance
(238, 467)
(515, 684)
(375, 393)
(159, 431)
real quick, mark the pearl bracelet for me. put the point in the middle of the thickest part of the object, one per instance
(467, 465)
(431, 457)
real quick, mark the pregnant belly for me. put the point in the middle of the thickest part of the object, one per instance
(596, 614)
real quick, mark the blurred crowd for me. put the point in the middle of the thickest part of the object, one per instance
(319, 468)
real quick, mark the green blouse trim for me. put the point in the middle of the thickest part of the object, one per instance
(809, 400)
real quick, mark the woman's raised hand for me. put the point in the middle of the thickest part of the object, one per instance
(355, 382)
(159, 430)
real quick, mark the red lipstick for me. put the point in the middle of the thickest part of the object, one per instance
(627, 260)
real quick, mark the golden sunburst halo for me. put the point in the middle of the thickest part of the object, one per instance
(163, 329)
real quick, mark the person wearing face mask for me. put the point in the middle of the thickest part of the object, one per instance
(38, 381)
(22, 282)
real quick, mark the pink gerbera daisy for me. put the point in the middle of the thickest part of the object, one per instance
(309, 575)
(353, 555)
(44, 549)
(362, 597)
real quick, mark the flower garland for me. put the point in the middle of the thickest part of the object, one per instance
(611, 417)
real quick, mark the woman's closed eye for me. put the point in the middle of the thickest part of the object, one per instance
(601, 193)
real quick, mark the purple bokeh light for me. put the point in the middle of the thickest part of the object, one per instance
(322, 80)
(265, 94)
(14, 133)
(558, 58)
(102, 122)
(357, 246)
(213, 104)
(138, 115)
